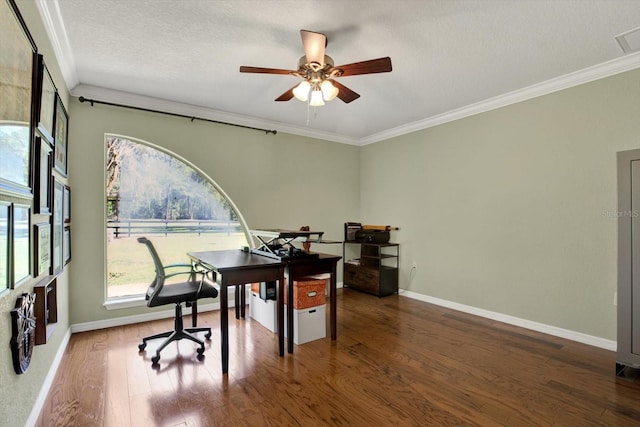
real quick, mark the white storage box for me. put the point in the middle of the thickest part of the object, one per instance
(309, 324)
(265, 312)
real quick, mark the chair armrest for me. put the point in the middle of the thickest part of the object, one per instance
(187, 269)
(178, 265)
(178, 273)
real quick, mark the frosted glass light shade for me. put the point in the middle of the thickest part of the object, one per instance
(316, 98)
(329, 91)
(301, 91)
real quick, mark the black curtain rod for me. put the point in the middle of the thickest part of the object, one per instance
(95, 101)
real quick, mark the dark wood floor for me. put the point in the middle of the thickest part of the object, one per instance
(396, 362)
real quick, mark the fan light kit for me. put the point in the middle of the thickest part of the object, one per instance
(318, 73)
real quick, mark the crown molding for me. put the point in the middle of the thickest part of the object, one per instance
(140, 101)
(54, 26)
(600, 71)
(586, 75)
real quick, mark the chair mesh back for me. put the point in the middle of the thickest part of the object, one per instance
(158, 282)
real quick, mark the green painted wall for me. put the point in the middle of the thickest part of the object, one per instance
(512, 210)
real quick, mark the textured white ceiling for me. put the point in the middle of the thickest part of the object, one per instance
(446, 54)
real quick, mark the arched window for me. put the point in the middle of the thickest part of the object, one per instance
(151, 192)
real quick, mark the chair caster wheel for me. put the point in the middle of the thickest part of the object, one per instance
(208, 336)
(155, 359)
(142, 346)
(200, 351)
(200, 357)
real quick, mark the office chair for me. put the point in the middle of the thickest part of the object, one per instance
(187, 292)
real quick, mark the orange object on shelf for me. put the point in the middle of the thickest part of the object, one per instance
(255, 288)
(379, 227)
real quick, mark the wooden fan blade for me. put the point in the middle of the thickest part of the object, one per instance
(287, 95)
(245, 69)
(314, 44)
(380, 65)
(344, 93)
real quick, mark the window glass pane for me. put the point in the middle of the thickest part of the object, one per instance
(16, 66)
(21, 239)
(154, 194)
(14, 152)
(4, 246)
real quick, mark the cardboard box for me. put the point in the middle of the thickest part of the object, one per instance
(308, 292)
(264, 312)
(309, 324)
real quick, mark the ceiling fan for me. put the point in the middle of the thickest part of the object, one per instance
(318, 72)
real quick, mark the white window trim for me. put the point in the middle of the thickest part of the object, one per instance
(125, 302)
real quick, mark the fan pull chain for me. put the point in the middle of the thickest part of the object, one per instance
(315, 113)
(308, 112)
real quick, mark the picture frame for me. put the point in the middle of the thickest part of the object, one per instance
(61, 132)
(21, 243)
(66, 211)
(67, 245)
(18, 92)
(47, 101)
(42, 248)
(57, 228)
(42, 179)
(5, 245)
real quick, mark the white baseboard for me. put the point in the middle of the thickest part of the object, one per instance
(139, 318)
(48, 381)
(516, 321)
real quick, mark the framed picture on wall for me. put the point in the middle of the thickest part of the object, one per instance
(43, 248)
(67, 245)
(21, 248)
(18, 53)
(47, 101)
(60, 137)
(57, 228)
(66, 212)
(42, 180)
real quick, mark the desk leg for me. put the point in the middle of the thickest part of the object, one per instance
(290, 330)
(243, 300)
(224, 327)
(281, 314)
(237, 300)
(332, 300)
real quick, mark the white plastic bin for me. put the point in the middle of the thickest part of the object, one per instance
(309, 324)
(264, 312)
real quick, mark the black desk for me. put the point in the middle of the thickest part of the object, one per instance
(238, 268)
